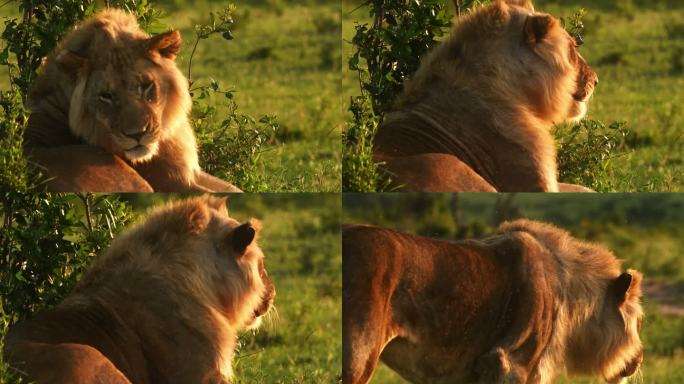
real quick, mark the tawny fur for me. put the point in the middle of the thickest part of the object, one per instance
(488, 97)
(519, 306)
(111, 86)
(162, 304)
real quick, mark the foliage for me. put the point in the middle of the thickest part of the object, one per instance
(359, 170)
(46, 241)
(386, 54)
(14, 174)
(585, 151)
(232, 148)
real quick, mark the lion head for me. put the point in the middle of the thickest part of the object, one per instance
(122, 89)
(609, 345)
(208, 257)
(599, 321)
(509, 53)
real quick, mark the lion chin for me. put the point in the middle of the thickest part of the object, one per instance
(255, 323)
(578, 110)
(141, 153)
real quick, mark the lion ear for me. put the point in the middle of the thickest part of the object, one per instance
(166, 44)
(198, 218)
(621, 286)
(219, 203)
(73, 52)
(537, 27)
(243, 236)
(69, 59)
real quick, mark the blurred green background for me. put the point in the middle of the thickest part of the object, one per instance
(637, 49)
(299, 342)
(644, 230)
(285, 61)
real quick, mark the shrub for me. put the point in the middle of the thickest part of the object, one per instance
(586, 150)
(386, 53)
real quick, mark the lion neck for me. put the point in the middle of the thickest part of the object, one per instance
(179, 341)
(577, 304)
(483, 130)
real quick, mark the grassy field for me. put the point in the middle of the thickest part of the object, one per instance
(637, 49)
(284, 61)
(645, 230)
(300, 342)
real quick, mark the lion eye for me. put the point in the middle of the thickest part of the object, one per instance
(148, 91)
(106, 97)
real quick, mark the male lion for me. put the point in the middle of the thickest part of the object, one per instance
(515, 307)
(477, 114)
(109, 112)
(161, 305)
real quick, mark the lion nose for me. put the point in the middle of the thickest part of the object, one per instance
(139, 134)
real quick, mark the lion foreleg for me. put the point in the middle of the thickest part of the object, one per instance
(517, 355)
(496, 367)
(85, 168)
(175, 166)
(215, 184)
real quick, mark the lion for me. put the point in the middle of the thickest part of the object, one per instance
(109, 112)
(477, 114)
(515, 307)
(161, 305)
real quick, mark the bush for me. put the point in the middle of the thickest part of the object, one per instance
(386, 54)
(586, 150)
(46, 240)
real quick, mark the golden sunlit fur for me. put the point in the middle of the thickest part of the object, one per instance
(487, 96)
(163, 304)
(519, 306)
(110, 85)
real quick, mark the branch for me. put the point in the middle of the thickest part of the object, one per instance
(85, 198)
(192, 54)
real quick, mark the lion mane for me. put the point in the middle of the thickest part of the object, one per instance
(109, 112)
(477, 114)
(161, 305)
(515, 307)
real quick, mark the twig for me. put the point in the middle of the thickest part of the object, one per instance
(192, 54)
(379, 13)
(457, 4)
(7, 223)
(85, 198)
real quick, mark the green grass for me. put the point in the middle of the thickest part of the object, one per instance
(303, 343)
(637, 49)
(299, 342)
(645, 230)
(284, 61)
